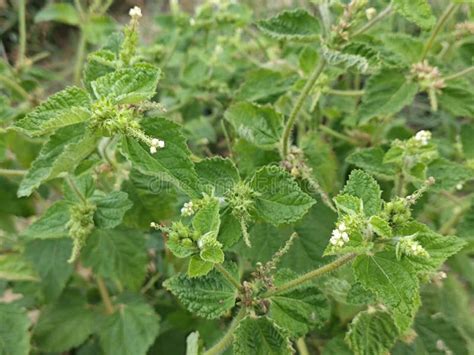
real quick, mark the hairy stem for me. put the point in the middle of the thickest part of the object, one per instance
(302, 347)
(13, 86)
(81, 51)
(310, 275)
(439, 25)
(10, 172)
(104, 294)
(338, 135)
(459, 74)
(226, 340)
(382, 14)
(345, 92)
(22, 32)
(227, 275)
(298, 105)
(74, 187)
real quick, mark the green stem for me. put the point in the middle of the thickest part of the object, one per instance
(74, 187)
(302, 347)
(81, 51)
(459, 74)
(227, 275)
(104, 294)
(439, 25)
(310, 275)
(400, 185)
(14, 87)
(345, 92)
(9, 172)
(22, 31)
(453, 220)
(337, 135)
(298, 105)
(385, 12)
(226, 340)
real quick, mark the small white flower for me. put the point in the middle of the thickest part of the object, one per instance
(187, 210)
(154, 225)
(442, 275)
(370, 13)
(423, 137)
(342, 227)
(135, 12)
(200, 243)
(192, 22)
(152, 150)
(339, 237)
(459, 186)
(156, 143)
(345, 237)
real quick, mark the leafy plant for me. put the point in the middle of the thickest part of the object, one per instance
(302, 182)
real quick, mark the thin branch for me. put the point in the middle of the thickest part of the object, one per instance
(228, 276)
(344, 92)
(459, 74)
(74, 187)
(104, 294)
(10, 172)
(385, 12)
(22, 32)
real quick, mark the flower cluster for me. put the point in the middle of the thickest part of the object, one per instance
(135, 12)
(423, 137)
(156, 143)
(427, 75)
(410, 247)
(339, 235)
(188, 209)
(465, 28)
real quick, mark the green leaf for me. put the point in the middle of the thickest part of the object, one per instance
(299, 310)
(292, 25)
(372, 332)
(260, 125)
(212, 253)
(280, 199)
(467, 132)
(380, 226)
(386, 93)
(49, 258)
(117, 254)
(345, 60)
(98, 64)
(172, 163)
(448, 174)
(416, 11)
(372, 161)
(207, 219)
(230, 231)
(210, 296)
(192, 344)
(62, 152)
(52, 224)
(131, 329)
(219, 173)
(62, 109)
(60, 12)
(14, 335)
(198, 267)
(260, 336)
(348, 204)
(14, 267)
(128, 85)
(110, 209)
(458, 99)
(408, 49)
(65, 324)
(393, 281)
(364, 186)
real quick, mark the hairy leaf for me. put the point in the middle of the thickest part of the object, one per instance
(14, 336)
(416, 11)
(217, 172)
(110, 209)
(367, 189)
(52, 224)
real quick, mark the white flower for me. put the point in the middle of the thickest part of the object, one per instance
(342, 227)
(156, 143)
(135, 12)
(153, 225)
(192, 22)
(339, 237)
(423, 137)
(152, 150)
(370, 13)
(459, 186)
(187, 209)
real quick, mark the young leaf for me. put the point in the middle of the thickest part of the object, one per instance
(14, 335)
(131, 329)
(380, 226)
(172, 163)
(280, 199)
(117, 254)
(393, 281)
(260, 125)
(198, 267)
(192, 344)
(52, 224)
(367, 189)
(207, 218)
(416, 11)
(292, 25)
(110, 209)
(386, 93)
(210, 296)
(128, 85)
(348, 204)
(372, 161)
(372, 332)
(260, 336)
(65, 324)
(62, 109)
(219, 173)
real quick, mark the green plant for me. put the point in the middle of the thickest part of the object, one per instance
(291, 184)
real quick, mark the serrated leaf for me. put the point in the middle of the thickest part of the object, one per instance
(62, 109)
(117, 254)
(210, 296)
(407, 48)
(260, 125)
(59, 12)
(128, 85)
(131, 329)
(198, 267)
(110, 209)
(416, 11)
(14, 267)
(171, 163)
(54, 150)
(364, 186)
(372, 332)
(14, 335)
(65, 324)
(260, 336)
(299, 310)
(98, 64)
(345, 60)
(280, 199)
(393, 281)
(458, 99)
(219, 173)
(348, 204)
(448, 174)
(371, 160)
(49, 258)
(230, 231)
(292, 25)
(380, 226)
(52, 224)
(212, 253)
(386, 93)
(207, 219)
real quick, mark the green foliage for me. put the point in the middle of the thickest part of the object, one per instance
(14, 330)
